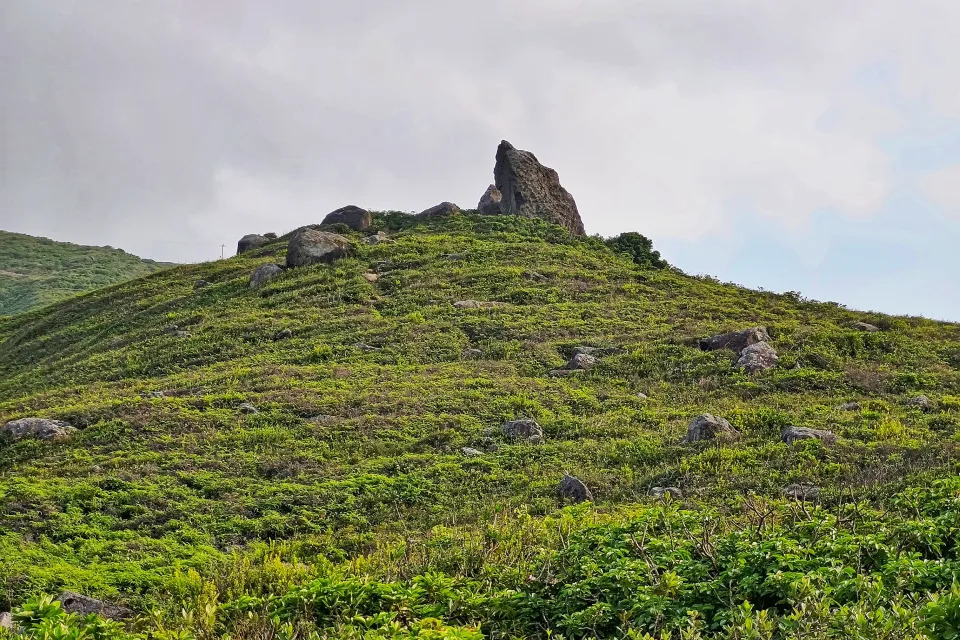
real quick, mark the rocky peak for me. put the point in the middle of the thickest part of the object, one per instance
(529, 189)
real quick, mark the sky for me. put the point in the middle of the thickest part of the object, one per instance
(809, 146)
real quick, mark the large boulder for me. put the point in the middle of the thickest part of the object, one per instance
(523, 429)
(792, 434)
(710, 427)
(309, 246)
(489, 204)
(251, 241)
(264, 274)
(735, 340)
(351, 215)
(758, 357)
(41, 428)
(442, 210)
(865, 326)
(802, 491)
(583, 361)
(921, 402)
(574, 489)
(85, 605)
(529, 189)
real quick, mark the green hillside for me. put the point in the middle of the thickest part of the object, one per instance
(346, 505)
(37, 271)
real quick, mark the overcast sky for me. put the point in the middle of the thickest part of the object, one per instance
(792, 145)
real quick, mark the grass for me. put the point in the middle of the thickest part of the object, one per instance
(349, 487)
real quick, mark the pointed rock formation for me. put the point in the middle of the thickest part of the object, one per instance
(489, 204)
(529, 189)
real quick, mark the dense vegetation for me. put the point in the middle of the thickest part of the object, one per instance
(37, 271)
(346, 508)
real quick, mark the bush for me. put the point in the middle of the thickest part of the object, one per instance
(639, 248)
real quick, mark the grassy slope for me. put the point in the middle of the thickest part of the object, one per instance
(154, 486)
(37, 271)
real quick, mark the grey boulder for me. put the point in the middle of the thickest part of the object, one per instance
(264, 274)
(921, 402)
(802, 491)
(523, 429)
(710, 427)
(792, 434)
(6, 621)
(529, 189)
(247, 408)
(85, 605)
(40, 428)
(865, 326)
(309, 246)
(735, 340)
(489, 204)
(583, 361)
(251, 241)
(666, 492)
(351, 215)
(758, 357)
(574, 489)
(442, 210)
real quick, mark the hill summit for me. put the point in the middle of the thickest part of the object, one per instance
(474, 426)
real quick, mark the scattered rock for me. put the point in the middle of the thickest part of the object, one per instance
(85, 605)
(379, 238)
(200, 284)
(442, 210)
(171, 329)
(283, 334)
(792, 434)
(642, 396)
(251, 241)
(351, 215)
(247, 408)
(709, 427)
(453, 256)
(802, 491)
(366, 347)
(263, 274)
(475, 304)
(849, 406)
(921, 402)
(524, 429)
(154, 394)
(309, 246)
(573, 489)
(181, 334)
(529, 189)
(663, 492)
(865, 326)
(582, 361)
(534, 276)
(6, 621)
(471, 353)
(371, 277)
(41, 428)
(322, 419)
(489, 204)
(758, 357)
(735, 340)
(471, 453)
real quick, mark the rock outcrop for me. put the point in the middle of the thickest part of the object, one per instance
(583, 361)
(489, 204)
(529, 189)
(802, 491)
(309, 246)
(524, 429)
(865, 326)
(85, 605)
(351, 215)
(920, 402)
(735, 340)
(758, 357)
(251, 241)
(710, 427)
(442, 210)
(264, 274)
(666, 492)
(574, 489)
(40, 428)
(792, 434)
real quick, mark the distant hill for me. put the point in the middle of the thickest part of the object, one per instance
(37, 271)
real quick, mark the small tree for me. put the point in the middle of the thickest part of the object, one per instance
(639, 248)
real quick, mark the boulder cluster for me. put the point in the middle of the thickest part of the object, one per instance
(752, 345)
